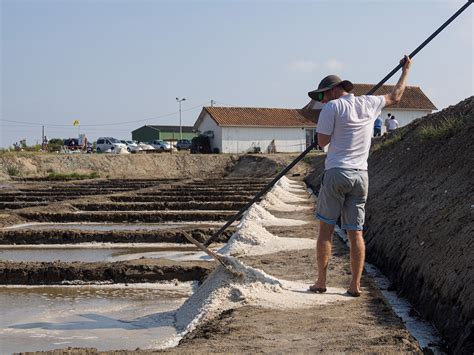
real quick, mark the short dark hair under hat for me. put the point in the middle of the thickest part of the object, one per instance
(328, 83)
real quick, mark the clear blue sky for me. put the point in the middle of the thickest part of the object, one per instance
(109, 62)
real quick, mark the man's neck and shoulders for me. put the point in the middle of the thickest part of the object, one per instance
(351, 99)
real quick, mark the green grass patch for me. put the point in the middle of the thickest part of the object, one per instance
(307, 158)
(387, 143)
(12, 170)
(73, 176)
(446, 128)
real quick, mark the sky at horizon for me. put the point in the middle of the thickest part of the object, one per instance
(117, 65)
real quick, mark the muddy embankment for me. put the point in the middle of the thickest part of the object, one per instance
(144, 270)
(71, 236)
(130, 166)
(419, 215)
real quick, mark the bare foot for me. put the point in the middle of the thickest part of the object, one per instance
(353, 293)
(317, 289)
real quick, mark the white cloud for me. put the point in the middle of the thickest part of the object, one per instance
(333, 64)
(303, 66)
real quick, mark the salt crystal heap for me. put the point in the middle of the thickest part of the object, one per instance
(221, 291)
(251, 238)
(273, 202)
(289, 185)
(263, 217)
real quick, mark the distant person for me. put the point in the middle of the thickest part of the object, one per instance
(346, 121)
(392, 124)
(378, 127)
(386, 121)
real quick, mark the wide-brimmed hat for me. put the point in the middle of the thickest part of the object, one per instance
(328, 83)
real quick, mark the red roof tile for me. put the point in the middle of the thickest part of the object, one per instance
(413, 97)
(262, 117)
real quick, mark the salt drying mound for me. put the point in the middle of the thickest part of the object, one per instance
(252, 239)
(222, 291)
(272, 201)
(290, 186)
(265, 218)
(286, 196)
(420, 218)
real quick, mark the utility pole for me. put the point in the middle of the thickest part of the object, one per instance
(180, 126)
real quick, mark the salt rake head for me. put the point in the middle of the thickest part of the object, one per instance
(225, 262)
(228, 266)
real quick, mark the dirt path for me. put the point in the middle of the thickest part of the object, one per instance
(366, 324)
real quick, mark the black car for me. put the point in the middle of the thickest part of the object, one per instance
(183, 144)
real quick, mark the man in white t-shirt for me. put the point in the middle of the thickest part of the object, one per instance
(392, 124)
(386, 121)
(346, 122)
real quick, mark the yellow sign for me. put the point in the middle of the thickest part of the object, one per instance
(76, 123)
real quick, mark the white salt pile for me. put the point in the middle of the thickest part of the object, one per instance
(290, 186)
(286, 196)
(251, 238)
(221, 292)
(273, 202)
(265, 218)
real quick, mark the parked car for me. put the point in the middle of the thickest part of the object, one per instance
(109, 144)
(201, 145)
(132, 146)
(160, 145)
(183, 144)
(146, 147)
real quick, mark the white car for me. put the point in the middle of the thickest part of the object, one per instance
(145, 147)
(161, 146)
(109, 145)
(132, 146)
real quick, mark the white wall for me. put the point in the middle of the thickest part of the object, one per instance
(403, 117)
(208, 124)
(243, 139)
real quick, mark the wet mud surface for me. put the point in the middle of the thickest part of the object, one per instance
(159, 206)
(128, 217)
(135, 271)
(174, 199)
(71, 236)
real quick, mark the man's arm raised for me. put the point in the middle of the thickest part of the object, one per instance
(396, 95)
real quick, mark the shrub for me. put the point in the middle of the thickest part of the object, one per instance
(446, 128)
(12, 170)
(387, 143)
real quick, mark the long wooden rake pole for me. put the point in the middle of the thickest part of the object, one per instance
(302, 155)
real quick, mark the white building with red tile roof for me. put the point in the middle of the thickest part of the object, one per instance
(251, 129)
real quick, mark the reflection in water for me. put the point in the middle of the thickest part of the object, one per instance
(105, 317)
(113, 226)
(49, 254)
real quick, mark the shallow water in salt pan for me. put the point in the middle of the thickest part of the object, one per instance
(105, 317)
(111, 226)
(91, 254)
